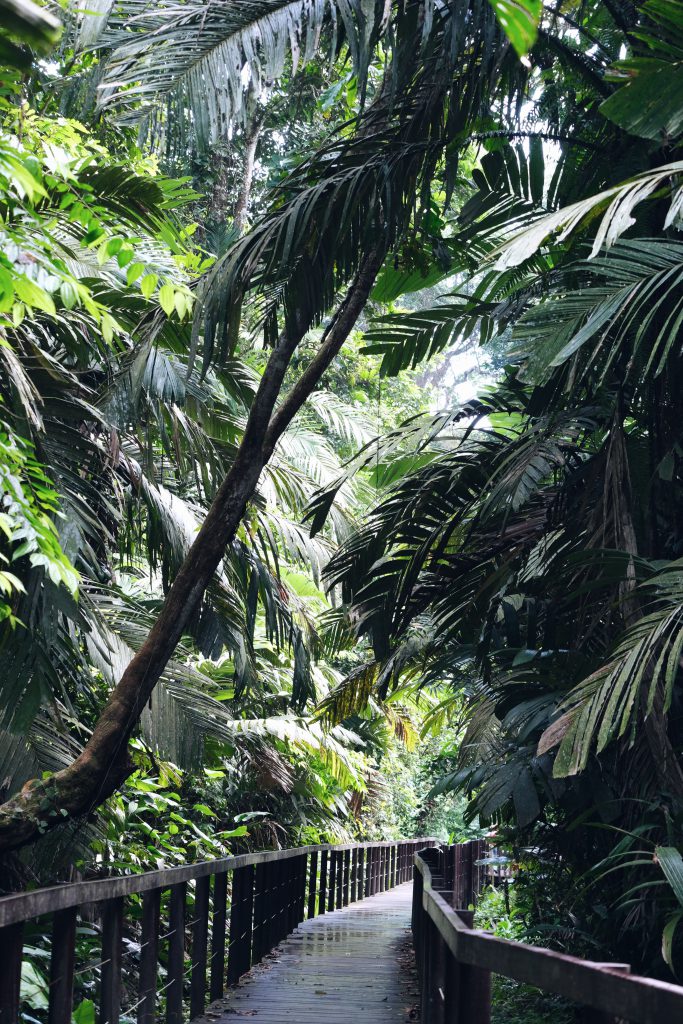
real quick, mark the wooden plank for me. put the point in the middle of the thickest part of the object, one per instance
(62, 967)
(218, 936)
(112, 939)
(176, 955)
(11, 947)
(335, 968)
(200, 936)
(149, 957)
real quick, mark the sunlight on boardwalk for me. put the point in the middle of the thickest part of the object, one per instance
(346, 966)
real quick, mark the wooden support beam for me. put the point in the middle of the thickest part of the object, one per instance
(149, 957)
(112, 939)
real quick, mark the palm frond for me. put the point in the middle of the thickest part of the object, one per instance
(213, 61)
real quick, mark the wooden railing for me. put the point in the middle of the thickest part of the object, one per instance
(195, 929)
(455, 961)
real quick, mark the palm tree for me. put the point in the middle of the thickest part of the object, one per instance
(531, 555)
(330, 227)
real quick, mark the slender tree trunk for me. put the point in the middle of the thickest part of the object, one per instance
(104, 763)
(244, 194)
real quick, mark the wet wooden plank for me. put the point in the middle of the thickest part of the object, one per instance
(343, 966)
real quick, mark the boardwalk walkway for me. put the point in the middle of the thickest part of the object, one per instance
(345, 967)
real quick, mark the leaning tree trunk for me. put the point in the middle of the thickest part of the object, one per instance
(104, 763)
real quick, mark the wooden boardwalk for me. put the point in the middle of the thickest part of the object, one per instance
(350, 966)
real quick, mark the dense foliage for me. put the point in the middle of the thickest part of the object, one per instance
(253, 588)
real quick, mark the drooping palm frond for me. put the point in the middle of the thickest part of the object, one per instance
(641, 672)
(628, 302)
(331, 211)
(213, 60)
(615, 206)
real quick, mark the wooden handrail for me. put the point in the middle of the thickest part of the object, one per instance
(26, 905)
(242, 907)
(455, 962)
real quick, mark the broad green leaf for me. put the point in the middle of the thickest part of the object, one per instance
(167, 298)
(668, 937)
(33, 295)
(148, 284)
(671, 863)
(519, 20)
(84, 1012)
(135, 270)
(34, 986)
(651, 104)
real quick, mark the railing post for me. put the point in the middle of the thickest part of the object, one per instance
(302, 871)
(426, 981)
(218, 933)
(467, 892)
(439, 962)
(200, 936)
(416, 917)
(339, 902)
(62, 967)
(587, 1015)
(474, 996)
(451, 991)
(112, 938)
(289, 894)
(332, 894)
(458, 899)
(241, 924)
(176, 955)
(322, 888)
(312, 884)
(149, 957)
(354, 874)
(262, 895)
(347, 877)
(12, 945)
(449, 867)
